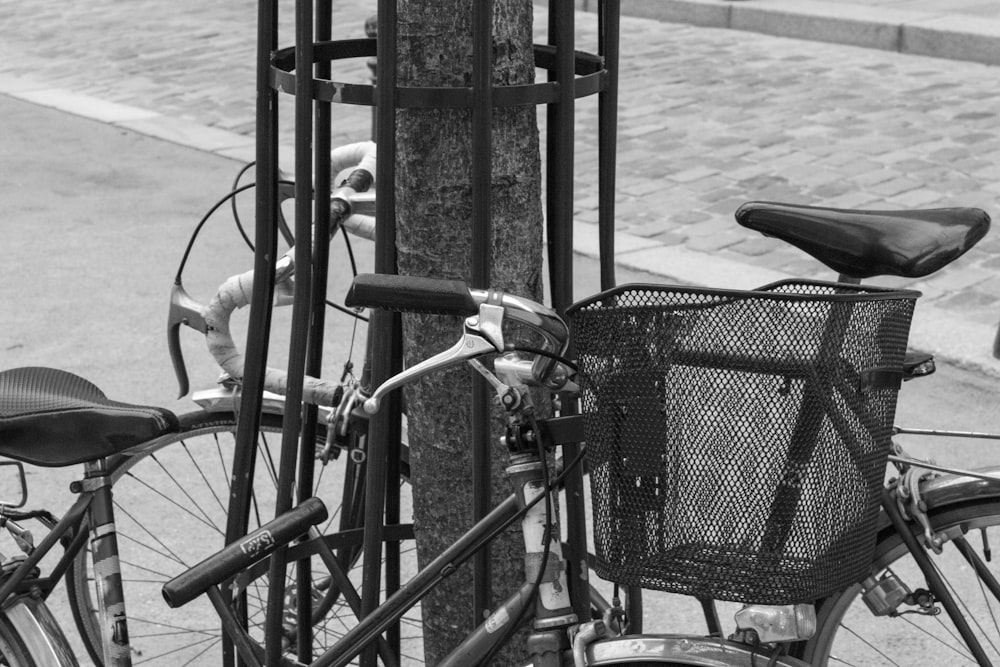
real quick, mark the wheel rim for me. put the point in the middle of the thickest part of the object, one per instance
(850, 634)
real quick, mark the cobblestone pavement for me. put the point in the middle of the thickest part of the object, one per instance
(710, 118)
(957, 29)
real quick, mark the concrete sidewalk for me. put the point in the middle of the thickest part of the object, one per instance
(957, 29)
(709, 118)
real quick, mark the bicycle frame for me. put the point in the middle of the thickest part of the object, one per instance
(23, 592)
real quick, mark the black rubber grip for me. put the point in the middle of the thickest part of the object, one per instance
(243, 553)
(411, 294)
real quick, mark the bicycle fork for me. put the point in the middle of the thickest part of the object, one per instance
(107, 570)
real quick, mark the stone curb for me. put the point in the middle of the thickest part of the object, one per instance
(935, 34)
(953, 340)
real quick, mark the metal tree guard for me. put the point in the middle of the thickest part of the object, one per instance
(571, 74)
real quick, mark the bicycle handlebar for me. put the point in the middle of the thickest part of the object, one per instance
(485, 310)
(350, 208)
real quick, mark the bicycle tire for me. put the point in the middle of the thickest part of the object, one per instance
(144, 485)
(13, 650)
(848, 633)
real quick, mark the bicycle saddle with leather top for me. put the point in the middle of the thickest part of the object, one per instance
(864, 244)
(50, 417)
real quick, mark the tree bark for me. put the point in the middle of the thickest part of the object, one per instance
(434, 205)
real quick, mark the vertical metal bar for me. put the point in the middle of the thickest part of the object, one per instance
(559, 178)
(607, 137)
(482, 234)
(393, 446)
(314, 353)
(371, 31)
(301, 305)
(259, 323)
(384, 326)
(559, 170)
(231, 626)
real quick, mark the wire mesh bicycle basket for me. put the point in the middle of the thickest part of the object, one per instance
(737, 440)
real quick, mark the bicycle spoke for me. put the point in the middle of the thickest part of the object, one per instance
(222, 466)
(211, 488)
(165, 551)
(182, 487)
(159, 577)
(993, 616)
(969, 615)
(159, 656)
(210, 632)
(174, 503)
(195, 658)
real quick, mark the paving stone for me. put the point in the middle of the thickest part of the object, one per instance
(894, 187)
(690, 217)
(713, 242)
(918, 198)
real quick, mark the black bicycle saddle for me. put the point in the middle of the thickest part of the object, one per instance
(50, 417)
(863, 244)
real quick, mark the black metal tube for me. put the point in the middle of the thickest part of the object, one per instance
(314, 353)
(482, 234)
(392, 444)
(301, 317)
(231, 625)
(559, 175)
(384, 327)
(259, 319)
(560, 154)
(982, 571)
(607, 137)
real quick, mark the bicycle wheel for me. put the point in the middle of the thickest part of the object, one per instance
(170, 511)
(13, 652)
(849, 633)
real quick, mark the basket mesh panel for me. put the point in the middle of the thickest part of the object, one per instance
(736, 446)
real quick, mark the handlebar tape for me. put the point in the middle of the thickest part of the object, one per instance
(243, 553)
(411, 294)
(233, 294)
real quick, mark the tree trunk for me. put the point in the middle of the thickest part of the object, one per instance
(434, 204)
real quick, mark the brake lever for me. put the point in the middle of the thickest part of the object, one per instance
(482, 335)
(183, 310)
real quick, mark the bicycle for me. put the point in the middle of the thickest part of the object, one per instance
(956, 231)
